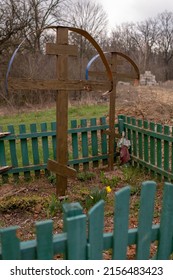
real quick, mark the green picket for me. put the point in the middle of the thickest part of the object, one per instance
(152, 147)
(2, 153)
(140, 143)
(12, 144)
(53, 128)
(172, 155)
(3, 161)
(35, 148)
(44, 240)
(121, 121)
(76, 238)
(146, 156)
(45, 145)
(166, 149)
(134, 138)
(84, 136)
(70, 210)
(165, 246)
(129, 134)
(104, 142)
(13, 151)
(159, 149)
(145, 220)
(75, 151)
(95, 231)
(10, 244)
(24, 150)
(121, 220)
(94, 141)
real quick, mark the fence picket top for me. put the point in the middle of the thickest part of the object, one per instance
(95, 231)
(145, 219)
(121, 221)
(165, 247)
(71, 210)
(10, 244)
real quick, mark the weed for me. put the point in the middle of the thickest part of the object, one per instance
(95, 196)
(112, 182)
(135, 190)
(85, 176)
(132, 175)
(52, 179)
(53, 207)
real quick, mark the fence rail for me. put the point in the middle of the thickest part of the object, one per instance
(27, 150)
(84, 237)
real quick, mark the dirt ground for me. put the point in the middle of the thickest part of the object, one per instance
(153, 103)
(24, 203)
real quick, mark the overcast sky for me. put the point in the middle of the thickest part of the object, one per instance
(120, 11)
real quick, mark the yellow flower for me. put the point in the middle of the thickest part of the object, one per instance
(108, 189)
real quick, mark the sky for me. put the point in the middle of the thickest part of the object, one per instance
(120, 11)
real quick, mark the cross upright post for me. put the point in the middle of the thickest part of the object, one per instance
(112, 112)
(61, 49)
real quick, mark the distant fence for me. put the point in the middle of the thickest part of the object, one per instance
(27, 149)
(151, 145)
(84, 237)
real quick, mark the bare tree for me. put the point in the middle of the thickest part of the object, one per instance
(43, 13)
(21, 19)
(146, 36)
(124, 38)
(13, 20)
(89, 16)
(165, 40)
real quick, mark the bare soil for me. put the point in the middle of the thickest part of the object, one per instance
(149, 103)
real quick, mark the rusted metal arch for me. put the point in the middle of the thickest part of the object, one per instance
(120, 54)
(131, 62)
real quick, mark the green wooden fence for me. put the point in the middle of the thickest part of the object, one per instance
(27, 149)
(151, 145)
(83, 236)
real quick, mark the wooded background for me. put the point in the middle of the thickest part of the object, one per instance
(149, 43)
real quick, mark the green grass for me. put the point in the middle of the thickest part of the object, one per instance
(49, 115)
(44, 116)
